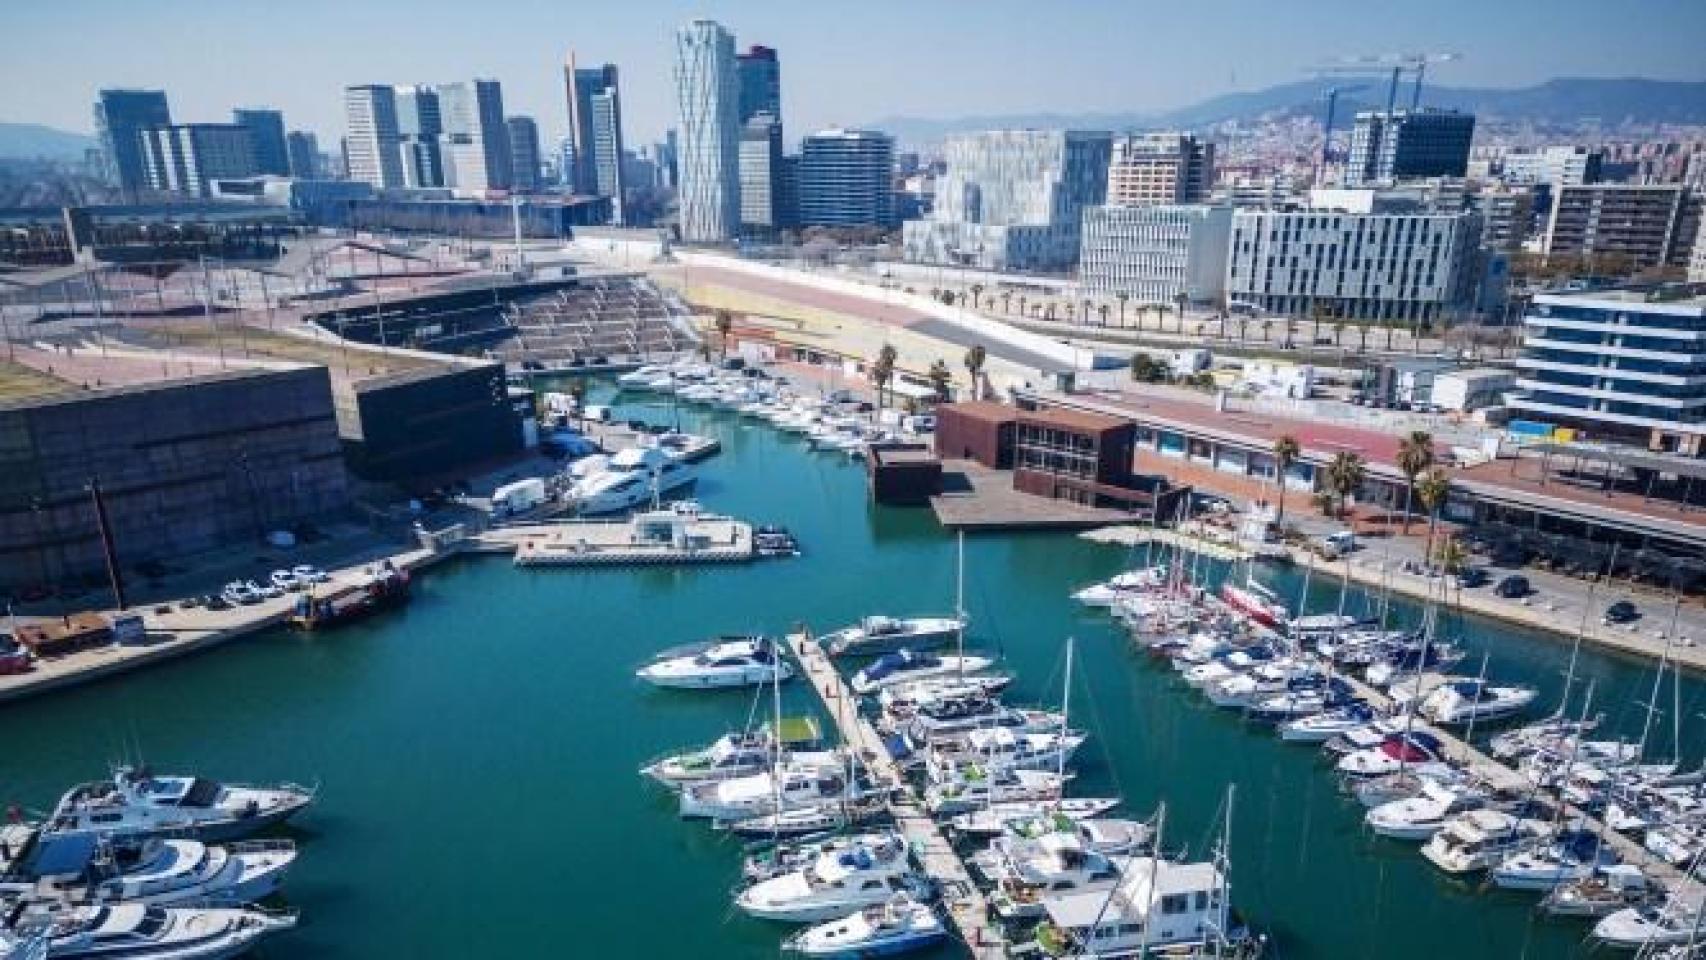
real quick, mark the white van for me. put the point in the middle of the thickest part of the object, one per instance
(1335, 545)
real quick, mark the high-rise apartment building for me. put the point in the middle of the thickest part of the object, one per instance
(1624, 226)
(847, 179)
(1169, 168)
(760, 83)
(188, 158)
(420, 136)
(1013, 200)
(524, 154)
(1508, 216)
(1697, 259)
(371, 137)
(707, 91)
(1156, 253)
(266, 134)
(304, 151)
(1563, 166)
(120, 118)
(761, 213)
(595, 131)
(1387, 147)
(477, 142)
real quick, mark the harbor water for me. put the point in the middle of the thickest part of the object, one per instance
(477, 751)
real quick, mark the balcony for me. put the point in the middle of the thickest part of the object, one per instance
(1624, 396)
(1598, 349)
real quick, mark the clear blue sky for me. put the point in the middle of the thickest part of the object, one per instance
(842, 62)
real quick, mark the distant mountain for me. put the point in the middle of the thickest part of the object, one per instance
(32, 141)
(1561, 101)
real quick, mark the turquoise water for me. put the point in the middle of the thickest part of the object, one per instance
(477, 750)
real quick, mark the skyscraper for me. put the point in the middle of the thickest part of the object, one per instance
(595, 130)
(760, 176)
(370, 136)
(188, 158)
(478, 155)
(266, 135)
(847, 179)
(120, 117)
(1386, 147)
(1153, 168)
(760, 83)
(304, 150)
(707, 91)
(607, 150)
(523, 154)
(420, 136)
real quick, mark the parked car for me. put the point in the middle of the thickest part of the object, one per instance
(1473, 577)
(267, 591)
(284, 580)
(215, 602)
(239, 593)
(1623, 611)
(309, 574)
(1513, 587)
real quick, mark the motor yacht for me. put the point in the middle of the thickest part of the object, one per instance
(1669, 922)
(1482, 839)
(905, 700)
(1328, 724)
(878, 634)
(900, 924)
(1474, 701)
(1158, 908)
(1417, 818)
(1001, 747)
(998, 818)
(742, 754)
(630, 478)
(797, 855)
(726, 662)
(1570, 856)
(135, 931)
(1364, 737)
(904, 666)
(794, 783)
(1023, 870)
(835, 884)
(137, 803)
(974, 786)
(950, 718)
(1121, 586)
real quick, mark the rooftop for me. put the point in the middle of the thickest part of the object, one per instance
(1072, 419)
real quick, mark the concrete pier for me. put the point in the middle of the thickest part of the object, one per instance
(966, 907)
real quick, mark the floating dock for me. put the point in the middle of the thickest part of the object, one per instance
(1137, 535)
(659, 537)
(966, 906)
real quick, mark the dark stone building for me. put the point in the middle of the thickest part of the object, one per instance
(419, 428)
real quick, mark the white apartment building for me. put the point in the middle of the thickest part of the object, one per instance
(1156, 253)
(371, 137)
(1564, 166)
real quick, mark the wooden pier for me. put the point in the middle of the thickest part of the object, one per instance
(966, 906)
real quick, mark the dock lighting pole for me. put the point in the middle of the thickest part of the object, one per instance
(207, 308)
(104, 527)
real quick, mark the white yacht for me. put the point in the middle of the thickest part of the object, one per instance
(1157, 908)
(907, 699)
(1023, 871)
(1605, 892)
(954, 718)
(630, 478)
(1667, 923)
(793, 784)
(1474, 700)
(642, 377)
(1482, 839)
(1328, 724)
(1419, 817)
(188, 871)
(997, 818)
(797, 855)
(726, 662)
(1572, 855)
(874, 635)
(905, 666)
(975, 787)
(742, 754)
(899, 925)
(1121, 586)
(134, 931)
(1001, 747)
(835, 884)
(136, 803)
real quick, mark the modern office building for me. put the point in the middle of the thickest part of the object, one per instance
(420, 136)
(303, 149)
(1407, 266)
(188, 158)
(1170, 168)
(1013, 200)
(847, 179)
(266, 135)
(477, 152)
(760, 83)
(370, 136)
(525, 161)
(1563, 166)
(1624, 226)
(595, 131)
(707, 90)
(1627, 364)
(761, 214)
(1697, 259)
(1386, 147)
(1157, 252)
(120, 118)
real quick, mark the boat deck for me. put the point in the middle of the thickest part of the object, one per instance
(966, 906)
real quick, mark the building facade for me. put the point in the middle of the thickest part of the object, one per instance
(608, 179)
(371, 137)
(120, 118)
(595, 132)
(477, 153)
(760, 177)
(1416, 267)
(523, 154)
(1509, 216)
(1156, 253)
(189, 157)
(1565, 166)
(1386, 147)
(847, 179)
(420, 137)
(1622, 363)
(304, 152)
(1634, 226)
(1013, 200)
(1168, 168)
(266, 136)
(760, 83)
(707, 90)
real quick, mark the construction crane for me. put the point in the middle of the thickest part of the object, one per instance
(1332, 97)
(1397, 64)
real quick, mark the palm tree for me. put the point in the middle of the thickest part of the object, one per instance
(1048, 314)
(1267, 329)
(1363, 326)
(1022, 302)
(1286, 452)
(1345, 475)
(1415, 455)
(941, 378)
(1122, 296)
(883, 370)
(1084, 315)
(1161, 311)
(1103, 310)
(1243, 327)
(1181, 300)
(1453, 555)
(975, 358)
(1338, 333)
(1007, 301)
(976, 293)
(725, 322)
(1433, 491)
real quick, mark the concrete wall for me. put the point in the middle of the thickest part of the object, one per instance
(421, 428)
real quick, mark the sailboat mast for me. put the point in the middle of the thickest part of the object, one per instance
(960, 602)
(1065, 714)
(1658, 679)
(1225, 858)
(1480, 686)
(1154, 875)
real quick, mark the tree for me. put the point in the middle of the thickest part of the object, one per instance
(1415, 456)
(976, 294)
(1363, 326)
(882, 371)
(975, 358)
(1243, 327)
(1006, 301)
(1338, 333)
(1084, 314)
(1267, 329)
(725, 323)
(1345, 474)
(1122, 296)
(1433, 491)
(1286, 452)
(1103, 310)
(1453, 555)
(941, 378)
(1146, 369)
(1161, 311)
